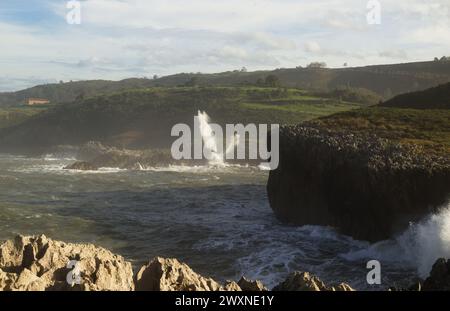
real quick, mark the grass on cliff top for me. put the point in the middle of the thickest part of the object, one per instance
(14, 116)
(429, 128)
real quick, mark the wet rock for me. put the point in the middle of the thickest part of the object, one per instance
(251, 286)
(37, 263)
(171, 275)
(439, 279)
(304, 281)
(82, 166)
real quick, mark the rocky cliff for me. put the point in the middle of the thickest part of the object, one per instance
(366, 186)
(37, 263)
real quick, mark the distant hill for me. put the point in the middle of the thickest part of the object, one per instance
(384, 80)
(71, 91)
(144, 118)
(433, 98)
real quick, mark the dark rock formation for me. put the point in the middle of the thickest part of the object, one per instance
(81, 166)
(251, 286)
(94, 155)
(305, 282)
(439, 279)
(365, 186)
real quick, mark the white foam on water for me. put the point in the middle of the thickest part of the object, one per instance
(195, 169)
(59, 169)
(52, 157)
(419, 246)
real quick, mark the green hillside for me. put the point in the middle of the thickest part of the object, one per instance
(144, 118)
(383, 80)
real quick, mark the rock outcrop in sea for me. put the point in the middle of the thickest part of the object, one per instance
(94, 155)
(367, 187)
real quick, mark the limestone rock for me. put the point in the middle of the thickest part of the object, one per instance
(251, 286)
(343, 287)
(304, 281)
(39, 263)
(231, 286)
(169, 274)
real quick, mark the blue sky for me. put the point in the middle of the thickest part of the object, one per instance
(136, 38)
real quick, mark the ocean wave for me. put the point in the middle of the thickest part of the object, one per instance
(419, 246)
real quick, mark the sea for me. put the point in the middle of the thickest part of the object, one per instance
(217, 219)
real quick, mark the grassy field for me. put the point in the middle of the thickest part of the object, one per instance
(13, 116)
(426, 127)
(244, 104)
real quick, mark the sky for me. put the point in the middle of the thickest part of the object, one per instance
(118, 39)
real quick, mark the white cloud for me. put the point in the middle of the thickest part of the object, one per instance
(312, 47)
(123, 38)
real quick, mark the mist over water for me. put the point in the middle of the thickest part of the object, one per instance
(216, 219)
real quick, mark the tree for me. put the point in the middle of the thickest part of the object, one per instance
(317, 65)
(155, 77)
(244, 69)
(272, 81)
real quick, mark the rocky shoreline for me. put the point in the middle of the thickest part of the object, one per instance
(37, 263)
(367, 187)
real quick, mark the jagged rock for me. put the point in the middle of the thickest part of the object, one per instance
(343, 287)
(231, 286)
(439, 279)
(365, 186)
(39, 263)
(82, 166)
(7, 280)
(251, 286)
(171, 275)
(304, 281)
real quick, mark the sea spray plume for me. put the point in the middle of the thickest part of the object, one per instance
(209, 137)
(213, 140)
(428, 240)
(417, 248)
